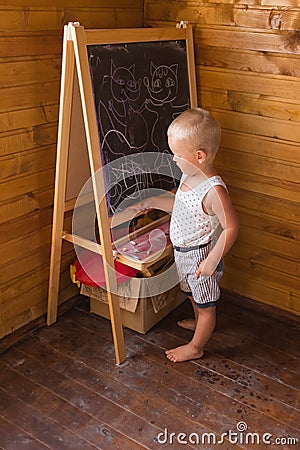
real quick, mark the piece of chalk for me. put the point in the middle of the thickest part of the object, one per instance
(133, 242)
(133, 256)
(124, 249)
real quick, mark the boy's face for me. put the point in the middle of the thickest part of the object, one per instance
(187, 160)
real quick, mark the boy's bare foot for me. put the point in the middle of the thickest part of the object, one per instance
(188, 324)
(184, 353)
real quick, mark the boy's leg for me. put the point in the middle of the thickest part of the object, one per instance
(205, 325)
(190, 323)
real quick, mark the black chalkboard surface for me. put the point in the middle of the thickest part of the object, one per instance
(139, 88)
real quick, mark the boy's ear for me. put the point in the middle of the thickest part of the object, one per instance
(201, 155)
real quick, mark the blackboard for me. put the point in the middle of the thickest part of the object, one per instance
(139, 88)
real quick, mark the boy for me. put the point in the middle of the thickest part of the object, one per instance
(203, 225)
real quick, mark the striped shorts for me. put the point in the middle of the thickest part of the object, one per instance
(205, 290)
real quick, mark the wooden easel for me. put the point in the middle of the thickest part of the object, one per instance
(76, 77)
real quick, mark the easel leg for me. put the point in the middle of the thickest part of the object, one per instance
(117, 328)
(61, 175)
(54, 278)
(99, 190)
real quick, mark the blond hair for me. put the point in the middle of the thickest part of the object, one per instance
(198, 130)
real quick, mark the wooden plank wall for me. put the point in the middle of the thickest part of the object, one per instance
(248, 74)
(30, 52)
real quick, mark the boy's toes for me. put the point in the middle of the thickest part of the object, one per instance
(188, 324)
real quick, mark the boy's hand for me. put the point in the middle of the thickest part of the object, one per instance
(162, 202)
(204, 269)
(141, 206)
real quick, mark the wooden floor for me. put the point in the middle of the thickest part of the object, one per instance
(60, 387)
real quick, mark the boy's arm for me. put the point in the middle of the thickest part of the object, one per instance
(218, 202)
(164, 202)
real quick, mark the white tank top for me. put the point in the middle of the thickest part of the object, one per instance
(190, 225)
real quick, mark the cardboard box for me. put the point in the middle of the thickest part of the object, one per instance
(138, 314)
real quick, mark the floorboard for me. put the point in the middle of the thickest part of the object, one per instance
(61, 389)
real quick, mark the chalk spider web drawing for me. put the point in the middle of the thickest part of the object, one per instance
(121, 176)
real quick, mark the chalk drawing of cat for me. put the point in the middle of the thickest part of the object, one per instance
(162, 86)
(120, 121)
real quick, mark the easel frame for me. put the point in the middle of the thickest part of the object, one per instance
(75, 57)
